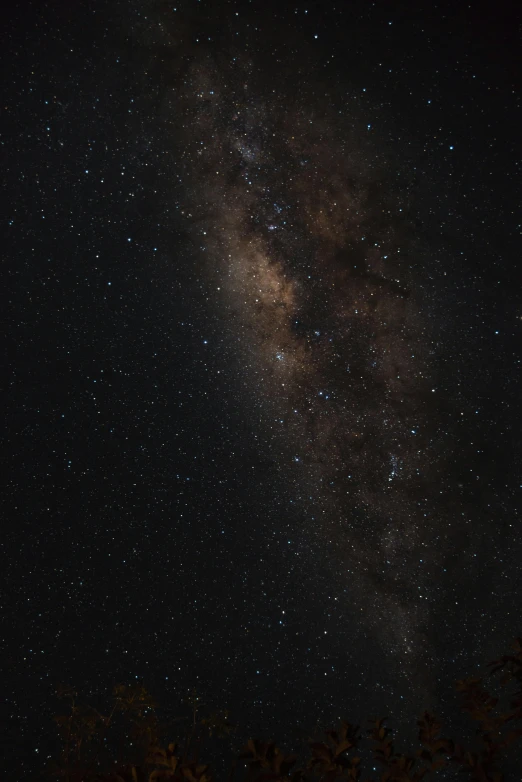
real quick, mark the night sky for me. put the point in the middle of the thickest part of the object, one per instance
(261, 323)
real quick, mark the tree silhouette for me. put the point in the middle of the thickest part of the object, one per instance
(125, 744)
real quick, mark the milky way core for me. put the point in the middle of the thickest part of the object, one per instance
(302, 219)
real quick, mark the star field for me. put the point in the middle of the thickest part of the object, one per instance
(262, 352)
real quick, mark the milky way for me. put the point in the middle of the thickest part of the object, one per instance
(302, 221)
(262, 325)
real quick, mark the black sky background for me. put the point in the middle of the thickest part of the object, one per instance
(149, 526)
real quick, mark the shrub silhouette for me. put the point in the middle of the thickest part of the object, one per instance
(89, 739)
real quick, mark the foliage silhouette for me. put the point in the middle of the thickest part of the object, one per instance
(89, 739)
